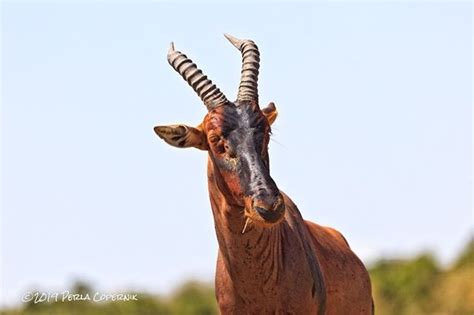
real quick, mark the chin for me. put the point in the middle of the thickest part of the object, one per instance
(254, 218)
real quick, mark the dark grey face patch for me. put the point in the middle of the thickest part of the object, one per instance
(246, 131)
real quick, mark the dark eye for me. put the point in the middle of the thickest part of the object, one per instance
(217, 143)
(261, 125)
(219, 148)
(230, 151)
(214, 139)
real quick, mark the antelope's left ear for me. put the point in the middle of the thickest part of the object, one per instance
(270, 112)
(182, 136)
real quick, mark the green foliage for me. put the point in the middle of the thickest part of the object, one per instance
(405, 286)
(191, 298)
(420, 287)
(466, 259)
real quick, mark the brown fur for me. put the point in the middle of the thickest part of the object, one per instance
(293, 267)
(290, 266)
(270, 260)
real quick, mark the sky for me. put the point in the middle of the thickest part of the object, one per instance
(373, 137)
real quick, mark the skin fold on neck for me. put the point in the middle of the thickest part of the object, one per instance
(264, 263)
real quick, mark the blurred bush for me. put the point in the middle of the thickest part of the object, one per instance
(420, 286)
(416, 286)
(190, 298)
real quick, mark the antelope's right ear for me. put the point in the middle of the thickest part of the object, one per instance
(182, 136)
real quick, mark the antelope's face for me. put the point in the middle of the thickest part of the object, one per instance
(236, 135)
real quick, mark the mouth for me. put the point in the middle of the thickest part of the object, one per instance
(271, 216)
(260, 212)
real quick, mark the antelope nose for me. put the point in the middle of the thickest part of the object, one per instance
(270, 212)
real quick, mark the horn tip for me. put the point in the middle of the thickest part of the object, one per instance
(234, 41)
(171, 49)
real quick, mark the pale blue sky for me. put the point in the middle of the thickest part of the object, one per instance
(373, 138)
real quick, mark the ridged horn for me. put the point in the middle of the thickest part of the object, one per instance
(205, 89)
(248, 87)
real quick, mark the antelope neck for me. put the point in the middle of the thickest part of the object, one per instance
(263, 259)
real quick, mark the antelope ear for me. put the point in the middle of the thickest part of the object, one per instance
(270, 112)
(182, 136)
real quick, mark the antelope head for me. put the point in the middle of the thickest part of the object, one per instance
(235, 134)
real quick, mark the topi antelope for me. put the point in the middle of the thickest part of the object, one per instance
(270, 260)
